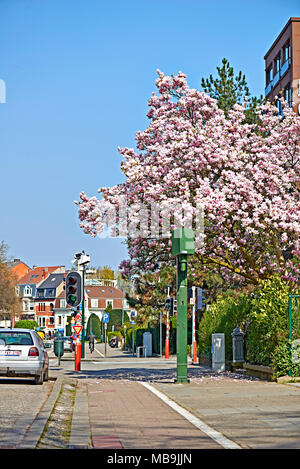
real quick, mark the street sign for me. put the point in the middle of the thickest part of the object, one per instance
(77, 328)
(105, 317)
(78, 317)
(132, 322)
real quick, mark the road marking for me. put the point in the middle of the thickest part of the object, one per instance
(209, 431)
(99, 353)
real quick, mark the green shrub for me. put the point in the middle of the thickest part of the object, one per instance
(94, 325)
(266, 312)
(110, 335)
(26, 324)
(268, 321)
(281, 363)
(222, 317)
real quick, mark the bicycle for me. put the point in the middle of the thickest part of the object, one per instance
(91, 346)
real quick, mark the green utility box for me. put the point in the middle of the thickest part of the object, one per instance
(183, 241)
(58, 347)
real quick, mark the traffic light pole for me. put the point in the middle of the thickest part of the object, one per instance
(82, 320)
(182, 319)
(167, 341)
(194, 344)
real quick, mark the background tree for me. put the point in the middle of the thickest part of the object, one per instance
(9, 301)
(103, 273)
(244, 175)
(230, 89)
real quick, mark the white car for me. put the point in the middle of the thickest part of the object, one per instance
(23, 354)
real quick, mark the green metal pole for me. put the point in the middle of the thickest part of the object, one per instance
(182, 319)
(82, 319)
(290, 334)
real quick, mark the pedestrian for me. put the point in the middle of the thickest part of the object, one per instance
(91, 339)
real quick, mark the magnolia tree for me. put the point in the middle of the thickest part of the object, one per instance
(192, 163)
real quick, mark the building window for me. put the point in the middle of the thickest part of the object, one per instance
(41, 306)
(31, 305)
(59, 320)
(94, 303)
(269, 75)
(286, 51)
(27, 291)
(51, 306)
(279, 107)
(51, 292)
(51, 320)
(25, 306)
(63, 303)
(277, 63)
(109, 302)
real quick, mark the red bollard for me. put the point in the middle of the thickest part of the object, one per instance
(77, 355)
(167, 348)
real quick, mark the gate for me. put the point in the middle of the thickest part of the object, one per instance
(294, 330)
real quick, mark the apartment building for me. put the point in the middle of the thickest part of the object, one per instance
(282, 66)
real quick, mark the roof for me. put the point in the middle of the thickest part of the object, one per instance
(291, 20)
(52, 281)
(37, 275)
(93, 291)
(19, 268)
(17, 262)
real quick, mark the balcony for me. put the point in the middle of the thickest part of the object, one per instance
(268, 88)
(277, 77)
(285, 67)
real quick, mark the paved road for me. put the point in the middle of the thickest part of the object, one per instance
(21, 402)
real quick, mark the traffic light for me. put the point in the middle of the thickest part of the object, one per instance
(73, 289)
(200, 298)
(169, 304)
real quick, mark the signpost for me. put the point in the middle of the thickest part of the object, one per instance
(194, 344)
(105, 320)
(182, 246)
(77, 329)
(132, 322)
(167, 341)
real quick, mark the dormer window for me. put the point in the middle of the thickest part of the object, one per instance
(27, 291)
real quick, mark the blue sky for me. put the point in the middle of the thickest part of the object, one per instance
(78, 76)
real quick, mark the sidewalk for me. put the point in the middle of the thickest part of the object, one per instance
(211, 411)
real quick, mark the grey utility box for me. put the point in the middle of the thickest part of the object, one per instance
(237, 345)
(218, 352)
(147, 343)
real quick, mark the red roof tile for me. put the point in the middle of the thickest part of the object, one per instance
(37, 275)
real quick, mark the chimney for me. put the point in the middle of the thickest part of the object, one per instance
(16, 260)
(45, 272)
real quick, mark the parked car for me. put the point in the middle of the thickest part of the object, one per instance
(23, 354)
(68, 344)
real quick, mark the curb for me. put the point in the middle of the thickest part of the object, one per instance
(32, 436)
(80, 437)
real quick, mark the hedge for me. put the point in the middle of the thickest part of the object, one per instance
(265, 312)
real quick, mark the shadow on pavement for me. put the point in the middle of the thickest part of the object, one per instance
(153, 375)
